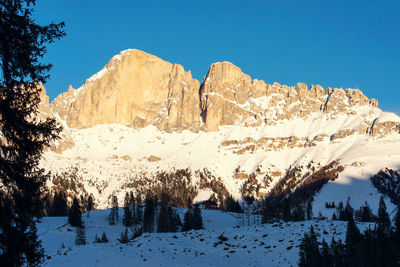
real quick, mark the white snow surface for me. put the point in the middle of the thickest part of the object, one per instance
(99, 153)
(247, 245)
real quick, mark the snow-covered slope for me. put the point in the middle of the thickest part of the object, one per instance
(107, 157)
(140, 116)
(246, 245)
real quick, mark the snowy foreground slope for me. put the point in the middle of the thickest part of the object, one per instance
(254, 245)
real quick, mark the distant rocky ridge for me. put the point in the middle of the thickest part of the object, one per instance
(137, 89)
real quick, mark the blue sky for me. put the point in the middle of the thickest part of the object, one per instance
(349, 44)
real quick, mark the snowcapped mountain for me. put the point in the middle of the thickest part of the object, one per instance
(141, 116)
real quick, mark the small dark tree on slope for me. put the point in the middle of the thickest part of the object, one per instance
(309, 211)
(149, 214)
(59, 205)
(115, 207)
(132, 207)
(114, 216)
(197, 219)
(24, 136)
(80, 238)
(127, 217)
(90, 203)
(124, 237)
(75, 214)
(188, 220)
(104, 238)
(164, 220)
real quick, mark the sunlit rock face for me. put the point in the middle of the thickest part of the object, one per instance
(137, 89)
(134, 89)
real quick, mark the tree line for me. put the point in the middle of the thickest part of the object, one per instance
(378, 246)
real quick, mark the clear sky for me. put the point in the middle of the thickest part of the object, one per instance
(349, 44)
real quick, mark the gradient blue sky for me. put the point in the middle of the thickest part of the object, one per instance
(349, 44)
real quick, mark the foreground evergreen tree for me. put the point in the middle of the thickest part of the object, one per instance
(396, 233)
(337, 252)
(75, 214)
(326, 254)
(383, 220)
(352, 245)
(309, 250)
(22, 45)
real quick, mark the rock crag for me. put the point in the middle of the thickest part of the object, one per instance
(137, 89)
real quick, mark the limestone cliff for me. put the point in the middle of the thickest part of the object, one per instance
(229, 96)
(134, 89)
(138, 89)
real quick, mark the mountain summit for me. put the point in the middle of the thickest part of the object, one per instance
(142, 121)
(138, 89)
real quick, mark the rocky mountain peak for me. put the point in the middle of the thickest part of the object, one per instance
(138, 89)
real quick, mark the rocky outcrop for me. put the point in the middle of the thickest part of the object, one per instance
(228, 96)
(137, 89)
(134, 89)
(223, 93)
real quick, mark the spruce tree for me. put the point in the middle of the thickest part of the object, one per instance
(269, 210)
(96, 239)
(148, 216)
(309, 211)
(188, 220)
(24, 136)
(75, 214)
(309, 250)
(80, 238)
(366, 213)
(338, 253)
(175, 221)
(164, 220)
(115, 207)
(348, 212)
(132, 207)
(59, 205)
(113, 217)
(326, 255)
(352, 245)
(90, 203)
(197, 219)
(396, 233)
(383, 220)
(127, 217)
(104, 238)
(138, 214)
(124, 237)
